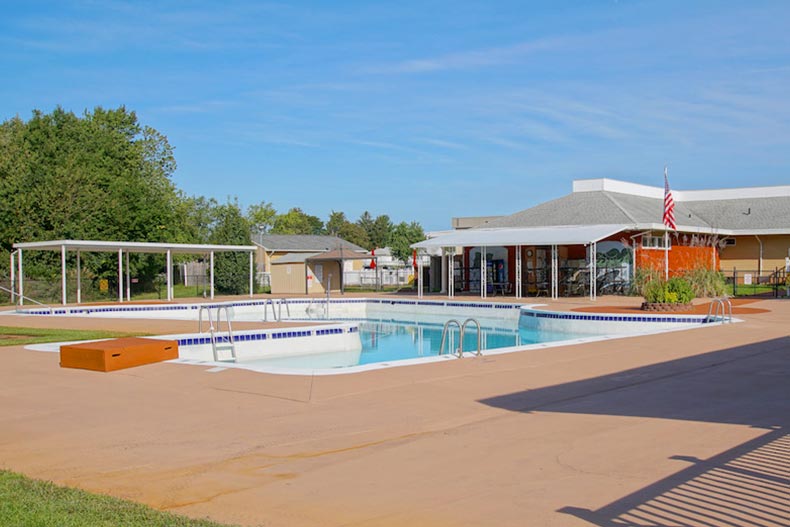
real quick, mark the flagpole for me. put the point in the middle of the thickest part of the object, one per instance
(666, 224)
(666, 253)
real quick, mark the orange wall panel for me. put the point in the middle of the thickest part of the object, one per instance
(681, 258)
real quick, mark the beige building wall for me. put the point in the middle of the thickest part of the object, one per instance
(318, 274)
(745, 254)
(288, 279)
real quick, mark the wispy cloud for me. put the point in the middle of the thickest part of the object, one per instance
(442, 143)
(472, 59)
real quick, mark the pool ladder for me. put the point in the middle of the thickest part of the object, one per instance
(218, 339)
(277, 309)
(462, 332)
(719, 307)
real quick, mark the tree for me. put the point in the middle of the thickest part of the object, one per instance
(231, 268)
(365, 221)
(101, 175)
(335, 223)
(261, 217)
(297, 222)
(339, 226)
(381, 231)
(403, 236)
(353, 233)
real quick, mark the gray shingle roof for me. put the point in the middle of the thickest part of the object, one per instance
(744, 214)
(604, 207)
(582, 208)
(304, 242)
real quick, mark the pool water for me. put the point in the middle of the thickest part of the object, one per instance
(385, 341)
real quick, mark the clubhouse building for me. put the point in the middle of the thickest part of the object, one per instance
(595, 239)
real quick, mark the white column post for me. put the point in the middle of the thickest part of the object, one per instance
(555, 273)
(593, 270)
(63, 299)
(590, 268)
(451, 273)
(21, 288)
(79, 278)
(169, 275)
(12, 270)
(518, 271)
(120, 275)
(251, 273)
(443, 282)
(211, 273)
(128, 279)
(483, 274)
(419, 275)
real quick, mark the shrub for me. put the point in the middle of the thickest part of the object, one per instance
(653, 291)
(681, 290)
(673, 291)
(642, 280)
(706, 283)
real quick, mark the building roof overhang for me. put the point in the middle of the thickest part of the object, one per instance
(555, 235)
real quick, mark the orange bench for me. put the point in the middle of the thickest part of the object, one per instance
(117, 354)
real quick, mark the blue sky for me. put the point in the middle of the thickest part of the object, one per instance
(421, 110)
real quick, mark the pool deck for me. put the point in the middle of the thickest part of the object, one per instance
(681, 428)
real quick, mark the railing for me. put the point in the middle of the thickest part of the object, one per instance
(215, 339)
(479, 334)
(23, 297)
(461, 332)
(447, 325)
(719, 307)
(276, 305)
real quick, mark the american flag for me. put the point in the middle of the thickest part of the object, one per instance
(669, 204)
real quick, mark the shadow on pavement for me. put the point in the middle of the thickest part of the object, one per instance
(748, 485)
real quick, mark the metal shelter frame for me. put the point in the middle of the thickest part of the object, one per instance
(122, 248)
(553, 237)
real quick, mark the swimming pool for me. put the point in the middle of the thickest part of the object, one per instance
(369, 333)
(384, 341)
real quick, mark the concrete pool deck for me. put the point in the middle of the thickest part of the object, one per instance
(682, 428)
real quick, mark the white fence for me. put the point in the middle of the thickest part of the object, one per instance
(384, 277)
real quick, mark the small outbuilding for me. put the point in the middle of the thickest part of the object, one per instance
(312, 273)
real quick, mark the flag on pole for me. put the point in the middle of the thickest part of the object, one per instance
(669, 204)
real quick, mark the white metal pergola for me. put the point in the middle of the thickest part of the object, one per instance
(122, 248)
(553, 237)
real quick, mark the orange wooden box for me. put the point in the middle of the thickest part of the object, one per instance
(117, 354)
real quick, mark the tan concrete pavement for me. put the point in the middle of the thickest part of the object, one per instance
(684, 428)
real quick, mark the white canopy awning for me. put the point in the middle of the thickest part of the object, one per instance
(120, 247)
(558, 235)
(132, 247)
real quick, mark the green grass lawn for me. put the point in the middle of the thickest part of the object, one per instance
(26, 502)
(11, 336)
(748, 290)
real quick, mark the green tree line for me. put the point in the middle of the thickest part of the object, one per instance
(103, 175)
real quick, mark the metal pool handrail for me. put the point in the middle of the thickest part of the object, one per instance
(723, 309)
(212, 329)
(14, 293)
(479, 331)
(444, 336)
(461, 333)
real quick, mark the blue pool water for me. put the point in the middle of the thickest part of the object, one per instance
(389, 341)
(385, 341)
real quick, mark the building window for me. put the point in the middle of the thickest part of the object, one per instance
(729, 242)
(654, 242)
